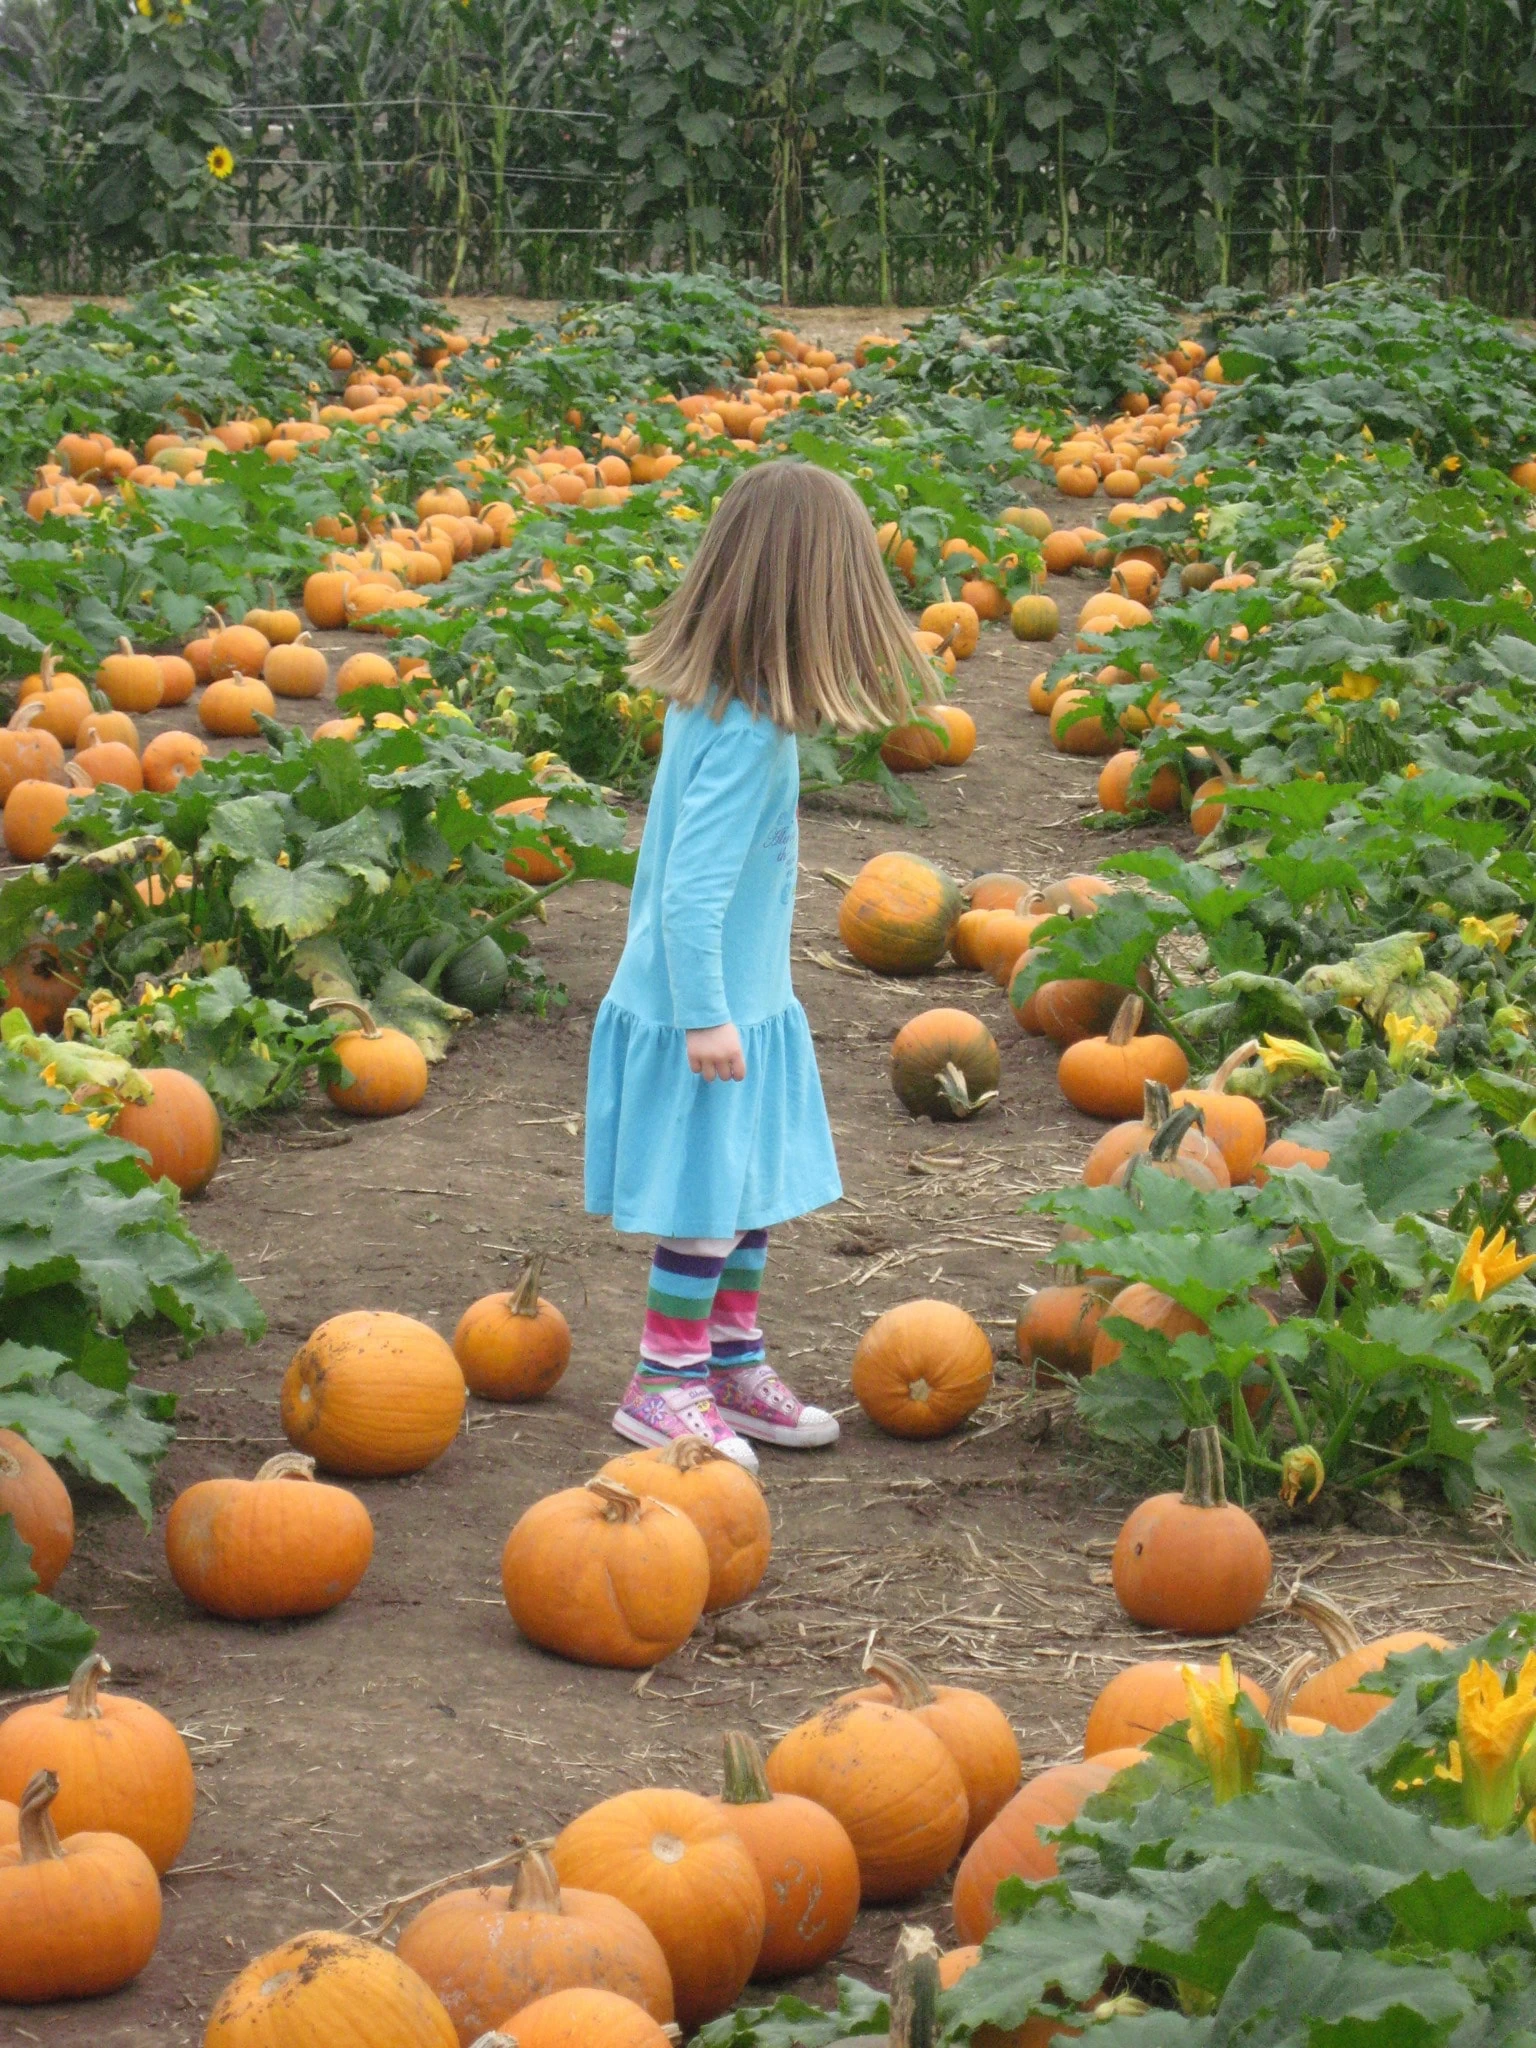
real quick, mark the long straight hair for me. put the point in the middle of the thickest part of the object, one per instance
(787, 605)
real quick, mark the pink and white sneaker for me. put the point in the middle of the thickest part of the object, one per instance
(754, 1401)
(654, 1413)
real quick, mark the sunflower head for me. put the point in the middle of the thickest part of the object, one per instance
(221, 163)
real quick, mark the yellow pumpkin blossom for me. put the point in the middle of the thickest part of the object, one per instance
(1356, 688)
(1483, 1268)
(1335, 528)
(1500, 931)
(1407, 1040)
(1492, 1727)
(1301, 1469)
(1294, 1056)
(220, 163)
(1229, 1750)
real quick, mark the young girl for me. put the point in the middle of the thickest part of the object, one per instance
(705, 1120)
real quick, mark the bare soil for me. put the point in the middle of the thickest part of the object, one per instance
(346, 1761)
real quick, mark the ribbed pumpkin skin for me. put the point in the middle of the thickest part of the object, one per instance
(1107, 1080)
(1330, 1695)
(898, 915)
(333, 1989)
(37, 1500)
(9, 1811)
(976, 1733)
(723, 1502)
(1202, 1571)
(673, 1859)
(926, 1044)
(484, 1959)
(179, 1129)
(1150, 1307)
(1059, 1326)
(1146, 1697)
(1067, 1011)
(584, 2019)
(1011, 1846)
(1234, 1124)
(507, 1356)
(122, 1770)
(810, 1879)
(267, 1550)
(892, 1784)
(920, 1369)
(996, 891)
(1283, 1152)
(371, 1394)
(621, 1592)
(77, 1928)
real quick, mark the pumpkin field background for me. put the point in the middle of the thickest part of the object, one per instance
(1367, 667)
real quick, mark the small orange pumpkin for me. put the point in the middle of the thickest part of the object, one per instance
(328, 1987)
(385, 1071)
(580, 2018)
(230, 706)
(1106, 1076)
(370, 1394)
(296, 668)
(29, 754)
(178, 1127)
(170, 756)
(1192, 1561)
(922, 1368)
(721, 1499)
(268, 1548)
(809, 1872)
(38, 1503)
(1013, 1846)
(1233, 1123)
(81, 1916)
(1106, 1163)
(1331, 1696)
(996, 892)
(129, 681)
(178, 678)
(34, 981)
(1059, 1325)
(1144, 1698)
(1162, 793)
(973, 1728)
(513, 1346)
(945, 1065)
(898, 914)
(238, 651)
(34, 814)
(110, 762)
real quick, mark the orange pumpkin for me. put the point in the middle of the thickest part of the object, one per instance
(371, 1395)
(81, 1916)
(890, 1781)
(230, 706)
(110, 762)
(922, 1368)
(1035, 618)
(1013, 1846)
(29, 754)
(973, 1728)
(384, 1071)
(1059, 1325)
(1107, 1076)
(1192, 1561)
(238, 651)
(296, 668)
(965, 939)
(38, 1503)
(178, 678)
(1075, 730)
(676, 1861)
(104, 727)
(543, 862)
(996, 892)
(35, 982)
(123, 1767)
(1064, 1011)
(513, 1346)
(1003, 941)
(1330, 1696)
(945, 1065)
(955, 623)
(1162, 793)
(898, 914)
(910, 749)
(129, 681)
(1145, 1698)
(1284, 1152)
(1169, 1153)
(809, 1872)
(493, 1950)
(331, 1988)
(1153, 1310)
(1233, 1123)
(580, 2019)
(170, 756)
(268, 1548)
(33, 817)
(178, 1127)
(721, 1499)
(601, 1576)
(1106, 1163)
(959, 734)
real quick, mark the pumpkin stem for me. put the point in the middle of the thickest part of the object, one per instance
(1331, 1104)
(1127, 1021)
(76, 777)
(745, 1782)
(956, 1091)
(838, 881)
(1156, 1104)
(35, 1829)
(619, 1504)
(28, 713)
(1173, 1130)
(365, 1022)
(525, 1296)
(1239, 1058)
(906, 1684)
(495, 2039)
(124, 644)
(1280, 1700)
(82, 1688)
(1326, 1615)
(45, 668)
(688, 1453)
(915, 1989)
(288, 1465)
(537, 1889)
(1205, 1478)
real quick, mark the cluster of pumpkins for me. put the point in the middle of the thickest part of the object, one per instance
(1141, 440)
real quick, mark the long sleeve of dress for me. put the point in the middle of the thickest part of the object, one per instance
(717, 821)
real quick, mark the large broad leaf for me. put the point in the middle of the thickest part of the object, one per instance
(1050, 1946)
(244, 828)
(792, 2023)
(40, 1642)
(298, 901)
(1412, 1152)
(1112, 945)
(1290, 1995)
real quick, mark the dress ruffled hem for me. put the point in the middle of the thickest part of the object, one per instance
(671, 1155)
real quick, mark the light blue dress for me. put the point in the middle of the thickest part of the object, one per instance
(669, 1154)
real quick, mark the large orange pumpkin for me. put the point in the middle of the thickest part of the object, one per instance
(371, 1394)
(513, 1346)
(675, 1860)
(1331, 1695)
(892, 1784)
(945, 1065)
(38, 1503)
(1193, 1561)
(921, 1369)
(178, 1127)
(328, 1988)
(1153, 1310)
(81, 1916)
(261, 1550)
(1146, 1697)
(168, 757)
(1234, 1123)
(1058, 1326)
(580, 2019)
(721, 1499)
(1012, 1846)
(973, 1728)
(123, 1768)
(809, 1872)
(33, 818)
(599, 1575)
(490, 1951)
(1107, 1076)
(898, 914)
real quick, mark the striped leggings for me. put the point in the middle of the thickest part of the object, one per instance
(701, 1307)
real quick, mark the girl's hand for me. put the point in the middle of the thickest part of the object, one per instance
(716, 1055)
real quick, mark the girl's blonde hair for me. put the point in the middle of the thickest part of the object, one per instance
(787, 606)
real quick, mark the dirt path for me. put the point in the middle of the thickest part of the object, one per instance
(412, 1733)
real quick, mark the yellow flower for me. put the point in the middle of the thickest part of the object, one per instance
(1294, 1056)
(1366, 434)
(1229, 1751)
(1315, 706)
(1484, 1268)
(1356, 688)
(220, 163)
(98, 1119)
(50, 1074)
(1335, 528)
(1491, 1731)
(1494, 931)
(1513, 1017)
(464, 802)
(684, 512)
(153, 993)
(1407, 1040)
(146, 8)
(1451, 464)
(1411, 771)
(1301, 1467)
